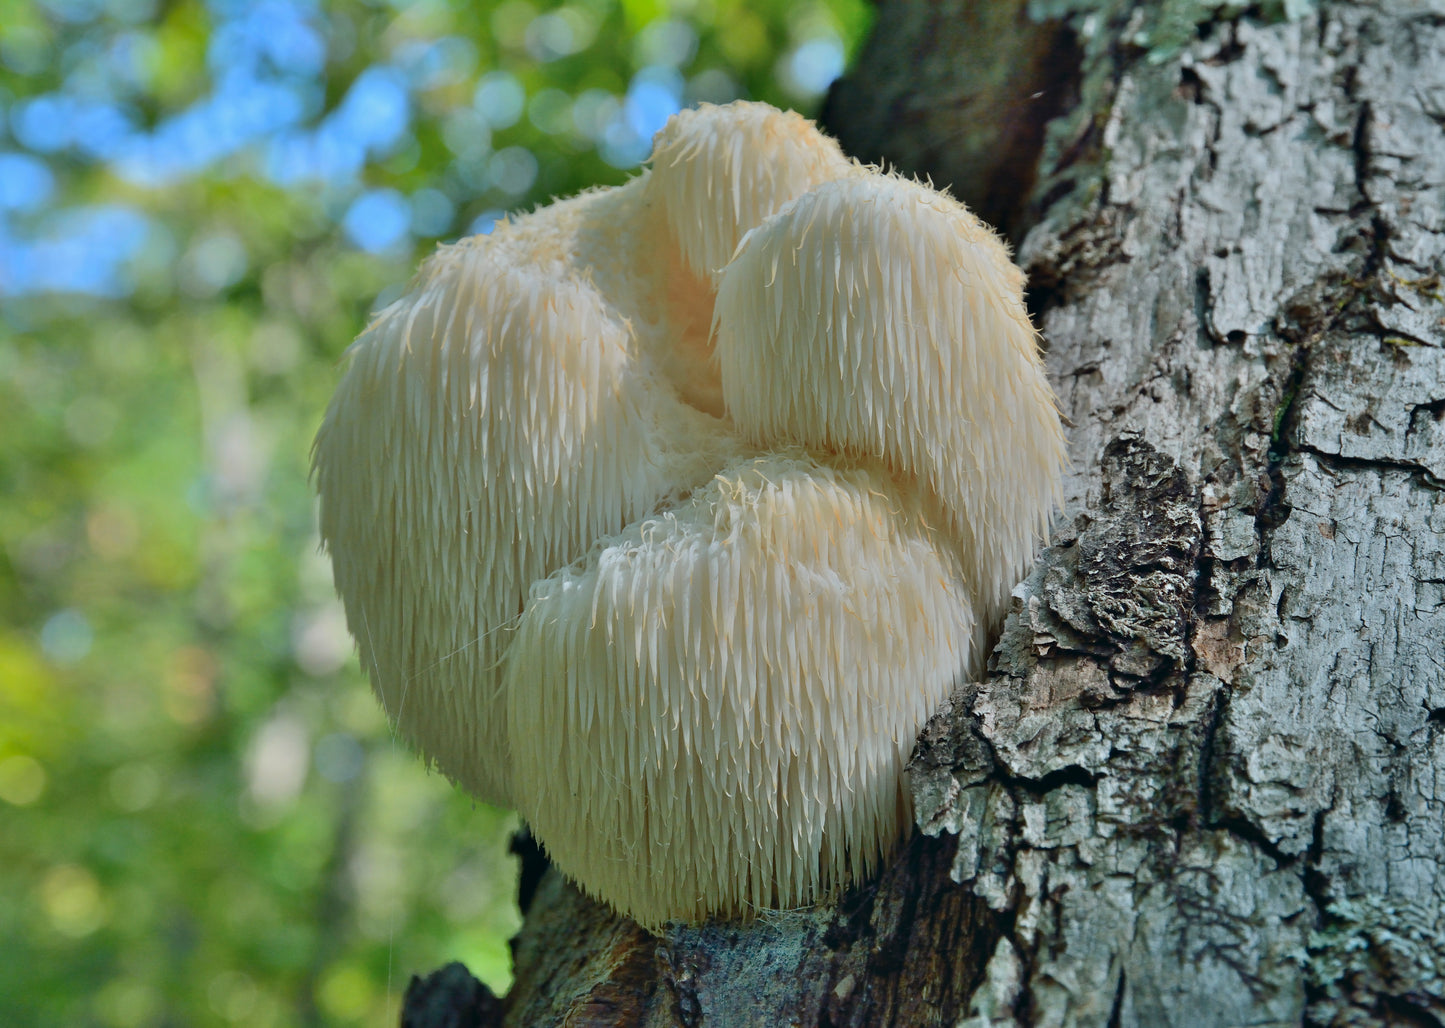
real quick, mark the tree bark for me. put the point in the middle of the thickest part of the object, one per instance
(1204, 783)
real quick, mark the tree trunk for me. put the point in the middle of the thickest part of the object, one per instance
(1204, 783)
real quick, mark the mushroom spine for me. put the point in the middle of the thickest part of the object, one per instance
(668, 513)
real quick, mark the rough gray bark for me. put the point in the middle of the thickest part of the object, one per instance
(1205, 782)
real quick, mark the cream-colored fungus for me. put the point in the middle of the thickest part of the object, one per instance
(668, 513)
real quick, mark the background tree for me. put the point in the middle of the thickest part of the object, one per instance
(1205, 781)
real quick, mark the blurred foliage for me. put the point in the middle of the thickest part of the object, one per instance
(203, 818)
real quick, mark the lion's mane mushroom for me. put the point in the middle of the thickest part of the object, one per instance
(668, 513)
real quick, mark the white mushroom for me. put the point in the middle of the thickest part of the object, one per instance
(685, 609)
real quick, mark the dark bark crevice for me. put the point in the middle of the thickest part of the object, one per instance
(978, 133)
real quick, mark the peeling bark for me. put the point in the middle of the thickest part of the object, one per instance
(1204, 783)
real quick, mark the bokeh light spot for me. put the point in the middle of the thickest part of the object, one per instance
(43, 123)
(811, 68)
(712, 86)
(276, 761)
(376, 110)
(339, 757)
(593, 111)
(666, 42)
(211, 264)
(232, 995)
(483, 223)
(320, 641)
(345, 992)
(66, 636)
(112, 532)
(551, 111)
(513, 170)
(22, 780)
(655, 96)
(25, 182)
(467, 133)
(189, 677)
(134, 787)
(72, 900)
(499, 98)
(377, 219)
(432, 212)
(127, 1002)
